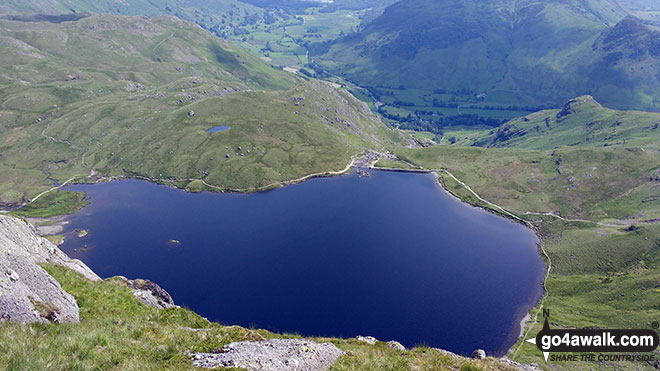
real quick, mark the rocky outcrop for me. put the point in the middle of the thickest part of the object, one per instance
(479, 354)
(579, 104)
(27, 292)
(21, 238)
(272, 355)
(148, 292)
(367, 339)
(396, 345)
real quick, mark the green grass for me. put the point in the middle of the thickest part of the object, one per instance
(53, 204)
(284, 41)
(391, 164)
(582, 122)
(116, 332)
(592, 183)
(57, 239)
(432, 106)
(91, 109)
(602, 277)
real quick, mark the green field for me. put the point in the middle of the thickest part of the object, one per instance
(433, 105)
(284, 42)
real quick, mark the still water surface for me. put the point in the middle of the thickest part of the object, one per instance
(390, 255)
(216, 129)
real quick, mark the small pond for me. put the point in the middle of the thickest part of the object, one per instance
(216, 129)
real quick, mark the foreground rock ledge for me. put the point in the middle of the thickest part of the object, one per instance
(27, 292)
(272, 355)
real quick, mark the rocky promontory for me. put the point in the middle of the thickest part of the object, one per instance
(27, 292)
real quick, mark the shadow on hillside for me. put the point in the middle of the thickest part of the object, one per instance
(71, 17)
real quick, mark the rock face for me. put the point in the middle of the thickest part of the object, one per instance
(30, 294)
(367, 339)
(27, 292)
(479, 354)
(578, 104)
(396, 345)
(149, 292)
(272, 355)
(21, 238)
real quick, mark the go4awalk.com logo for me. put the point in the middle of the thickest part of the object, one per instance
(598, 344)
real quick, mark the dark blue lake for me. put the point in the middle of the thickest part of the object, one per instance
(391, 255)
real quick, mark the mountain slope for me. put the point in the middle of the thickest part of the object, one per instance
(203, 12)
(523, 52)
(581, 122)
(115, 96)
(641, 4)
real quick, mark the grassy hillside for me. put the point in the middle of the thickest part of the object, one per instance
(497, 58)
(117, 332)
(581, 122)
(206, 13)
(641, 4)
(587, 183)
(279, 32)
(113, 96)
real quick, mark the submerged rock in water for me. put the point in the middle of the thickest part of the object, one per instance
(272, 355)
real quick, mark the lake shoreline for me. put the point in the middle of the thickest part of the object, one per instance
(526, 321)
(522, 320)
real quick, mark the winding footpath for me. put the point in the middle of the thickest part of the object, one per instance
(505, 211)
(617, 225)
(52, 189)
(529, 325)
